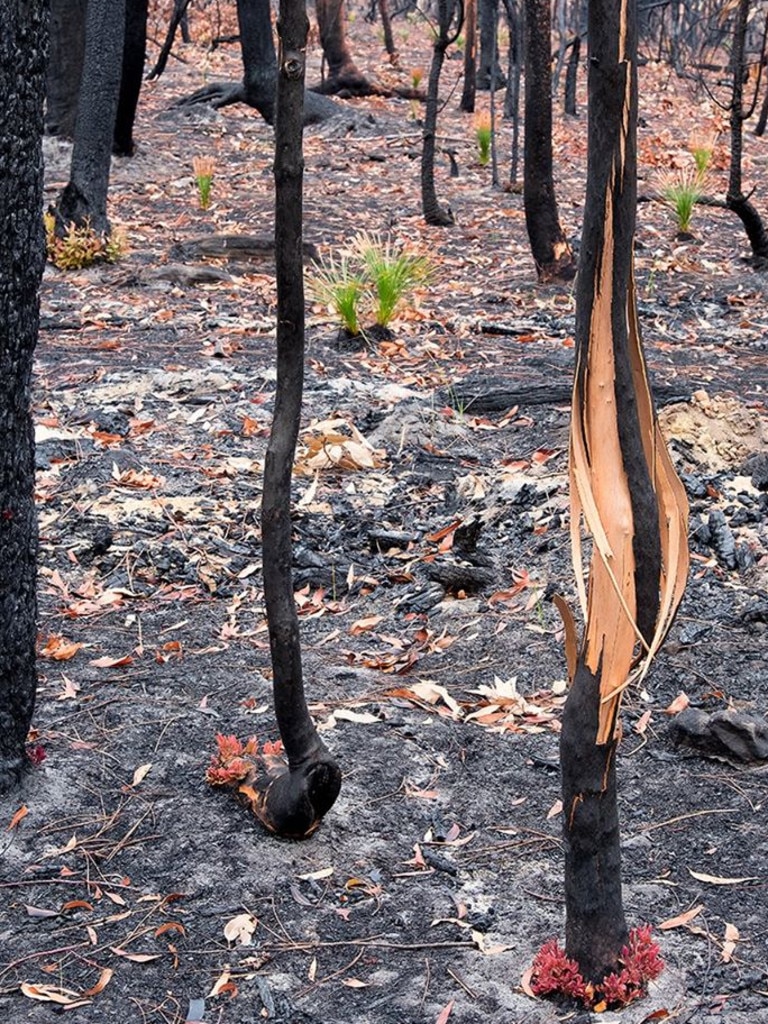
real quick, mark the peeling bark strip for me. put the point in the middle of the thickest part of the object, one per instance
(624, 486)
(291, 803)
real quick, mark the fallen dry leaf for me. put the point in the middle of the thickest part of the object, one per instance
(681, 919)
(141, 773)
(444, 1014)
(355, 983)
(729, 945)
(22, 812)
(50, 994)
(104, 979)
(718, 880)
(136, 958)
(680, 703)
(240, 929)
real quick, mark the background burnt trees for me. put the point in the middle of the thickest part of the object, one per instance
(624, 484)
(22, 86)
(65, 66)
(134, 52)
(735, 198)
(344, 76)
(450, 15)
(84, 200)
(549, 246)
(292, 803)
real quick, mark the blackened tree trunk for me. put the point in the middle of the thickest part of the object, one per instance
(259, 86)
(549, 246)
(23, 43)
(489, 73)
(134, 52)
(65, 66)
(259, 61)
(434, 213)
(294, 802)
(735, 199)
(571, 77)
(468, 94)
(84, 200)
(386, 26)
(515, 19)
(344, 76)
(623, 482)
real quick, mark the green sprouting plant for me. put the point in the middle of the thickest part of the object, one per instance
(373, 277)
(81, 246)
(702, 150)
(203, 168)
(483, 136)
(339, 283)
(682, 191)
(392, 273)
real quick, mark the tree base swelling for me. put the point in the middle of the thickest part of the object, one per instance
(289, 801)
(317, 108)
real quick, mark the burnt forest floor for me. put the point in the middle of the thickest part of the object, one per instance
(437, 875)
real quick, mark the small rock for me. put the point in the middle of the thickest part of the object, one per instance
(743, 736)
(691, 728)
(757, 466)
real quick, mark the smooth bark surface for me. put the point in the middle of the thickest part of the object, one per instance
(22, 86)
(84, 200)
(549, 246)
(295, 801)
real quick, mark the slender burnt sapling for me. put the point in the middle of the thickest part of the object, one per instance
(624, 486)
(289, 799)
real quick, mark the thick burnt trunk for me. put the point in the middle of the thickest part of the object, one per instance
(295, 801)
(551, 252)
(65, 66)
(22, 86)
(489, 73)
(134, 52)
(344, 76)
(259, 62)
(84, 200)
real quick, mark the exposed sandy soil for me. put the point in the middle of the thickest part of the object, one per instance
(437, 875)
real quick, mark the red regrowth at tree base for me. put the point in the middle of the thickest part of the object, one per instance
(555, 974)
(235, 761)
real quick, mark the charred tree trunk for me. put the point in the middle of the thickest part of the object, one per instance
(134, 53)
(294, 802)
(468, 94)
(386, 25)
(735, 199)
(344, 76)
(512, 96)
(571, 77)
(22, 86)
(623, 482)
(65, 66)
(84, 200)
(434, 213)
(489, 73)
(549, 246)
(178, 17)
(259, 61)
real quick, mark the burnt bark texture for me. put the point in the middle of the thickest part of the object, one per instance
(344, 77)
(571, 77)
(134, 53)
(735, 199)
(489, 73)
(22, 85)
(386, 27)
(295, 801)
(259, 86)
(65, 66)
(595, 924)
(84, 200)
(434, 212)
(469, 92)
(549, 246)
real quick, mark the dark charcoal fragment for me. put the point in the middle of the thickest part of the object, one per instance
(694, 485)
(384, 540)
(730, 733)
(756, 612)
(721, 539)
(745, 737)
(757, 466)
